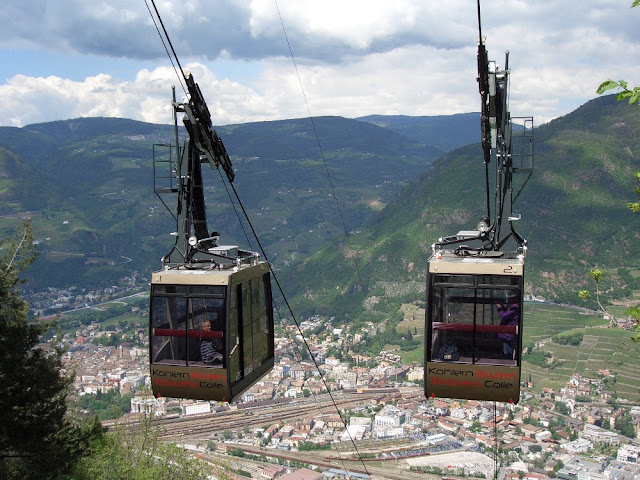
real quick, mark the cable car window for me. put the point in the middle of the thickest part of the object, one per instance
(234, 338)
(489, 280)
(187, 325)
(475, 324)
(260, 322)
(160, 289)
(206, 290)
(168, 315)
(454, 279)
(208, 316)
(247, 331)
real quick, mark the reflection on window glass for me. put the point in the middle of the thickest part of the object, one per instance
(207, 316)
(260, 330)
(478, 324)
(250, 327)
(247, 330)
(182, 319)
(234, 338)
(168, 316)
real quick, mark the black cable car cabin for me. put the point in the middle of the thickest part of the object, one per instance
(218, 361)
(211, 314)
(473, 335)
(475, 279)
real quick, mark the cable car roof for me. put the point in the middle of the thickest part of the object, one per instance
(447, 262)
(200, 276)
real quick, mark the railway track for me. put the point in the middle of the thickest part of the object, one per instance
(350, 464)
(204, 425)
(200, 428)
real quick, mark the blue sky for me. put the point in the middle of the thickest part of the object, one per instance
(72, 58)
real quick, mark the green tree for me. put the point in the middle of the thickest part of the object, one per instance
(38, 436)
(558, 466)
(137, 452)
(476, 427)
(106, 406)
(632, 312)
(561, 408)
(238, 452)
(596, 274)
(635, 206)
(624, 425)
(633, 94)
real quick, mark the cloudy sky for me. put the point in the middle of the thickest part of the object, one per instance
(63, 59)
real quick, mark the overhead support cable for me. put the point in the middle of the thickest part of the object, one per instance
(324, 159)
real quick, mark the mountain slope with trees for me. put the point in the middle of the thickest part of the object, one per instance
(574, 217)
(87, 185)
(445, 131)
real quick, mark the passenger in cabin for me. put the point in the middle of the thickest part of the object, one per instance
(208, 352)
(509, 315)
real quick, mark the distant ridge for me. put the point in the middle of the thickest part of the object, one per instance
(87, 185)
(445, 131)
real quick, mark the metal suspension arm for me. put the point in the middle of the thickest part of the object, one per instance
(201, 132)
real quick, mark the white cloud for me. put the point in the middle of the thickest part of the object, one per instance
(360, 25)
(358, 88)
(55, 98)
(354, 57)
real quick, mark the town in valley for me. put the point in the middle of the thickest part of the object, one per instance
(288, 426)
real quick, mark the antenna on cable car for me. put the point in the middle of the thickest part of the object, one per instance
(475, 278)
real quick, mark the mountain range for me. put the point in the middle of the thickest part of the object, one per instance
(573, 210)
(87, 185)
(347, 209)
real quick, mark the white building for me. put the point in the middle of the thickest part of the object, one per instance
(353, 432)
(542, 436)
(332, 361)
(291, 393)
(390, 432)
(194, 408)
(581, 445)
(436, 438)
(248, 397)
(361, 422)
(600, 435)
(391, 416)
(148, 405)
(458, 413)
(415, 374)
(628, 454)
(132, 382)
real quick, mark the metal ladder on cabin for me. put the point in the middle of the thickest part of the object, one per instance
(165, 181)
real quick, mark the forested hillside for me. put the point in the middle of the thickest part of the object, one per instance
(574, 217)
(87, 185)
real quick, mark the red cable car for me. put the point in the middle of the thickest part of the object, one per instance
(211, 331)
